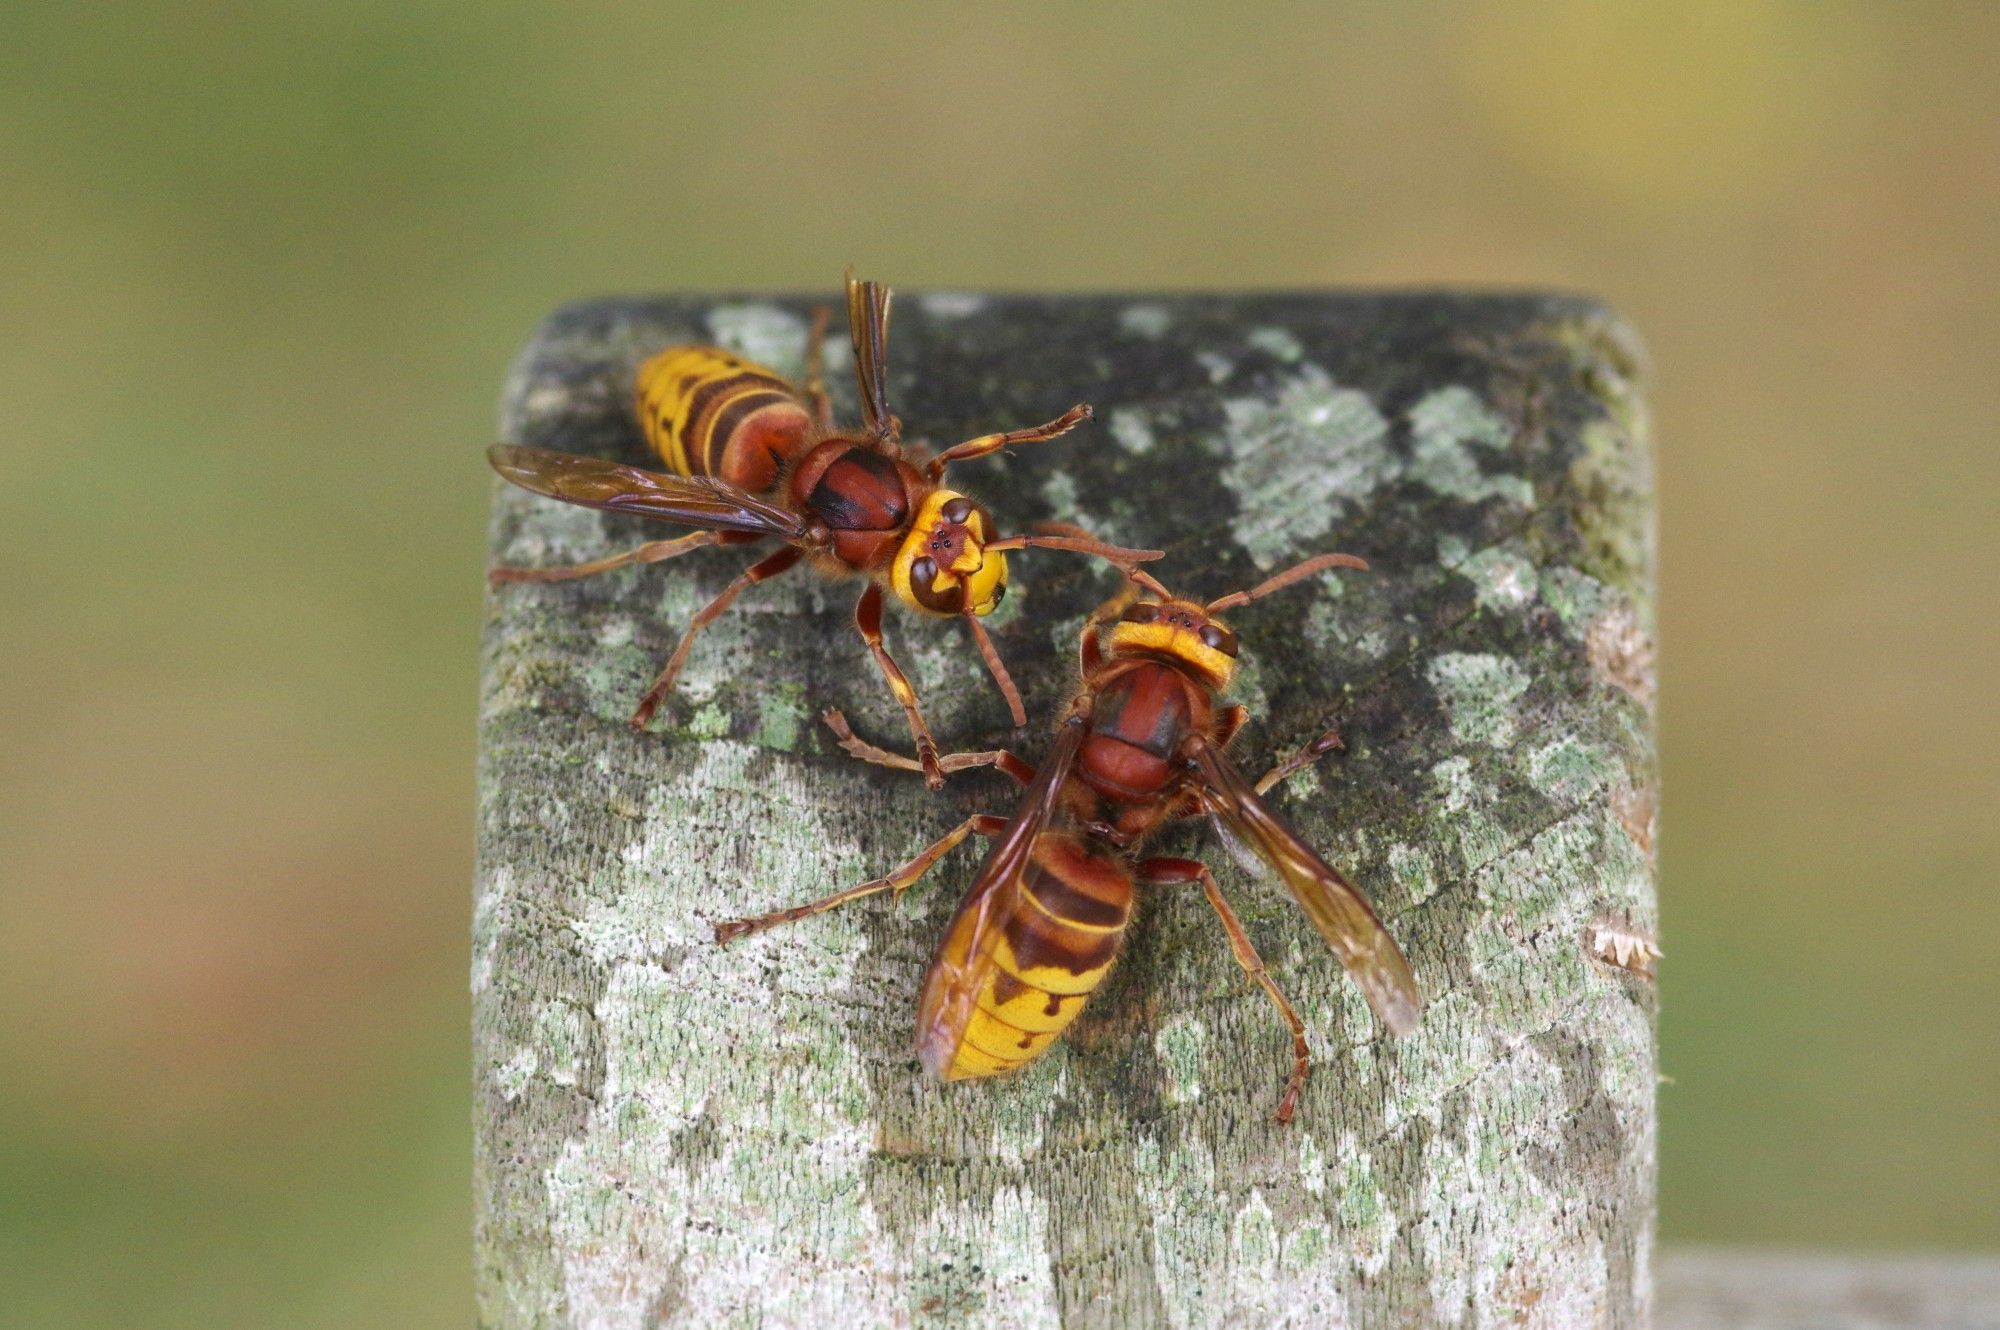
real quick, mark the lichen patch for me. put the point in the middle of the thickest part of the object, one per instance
(1444, 428)
(1131, 431)
(1285, 507)
(1479, 690)
(770, 335)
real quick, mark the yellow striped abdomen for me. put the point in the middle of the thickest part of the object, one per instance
(1052, 954)
(707, 412)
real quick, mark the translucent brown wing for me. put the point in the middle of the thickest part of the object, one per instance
(698, 501)
(1336, 909)
(965, 955)
(868, 324)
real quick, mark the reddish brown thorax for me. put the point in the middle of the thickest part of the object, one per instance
(1143, 711)
(862, 495)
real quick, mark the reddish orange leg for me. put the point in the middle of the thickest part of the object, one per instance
(815, 384)
(987, 444)
(899, 881)
(998, 669)
(1300, 760)
(868, 619)
(760, 571)
(1166, 872)
(653, 551)
(950, 762)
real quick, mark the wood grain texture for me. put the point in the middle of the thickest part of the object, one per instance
(672, 1134)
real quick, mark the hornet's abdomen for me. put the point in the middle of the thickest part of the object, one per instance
(1052, 954)
(707, 412)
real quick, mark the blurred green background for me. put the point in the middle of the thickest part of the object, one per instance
(263, 268)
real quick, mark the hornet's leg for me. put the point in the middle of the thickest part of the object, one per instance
(950, 762)
(653, 551)
(1161, 872)
(987, 444)
(868, 620)
(998, 669)
(1300, 760)
(764, 569)
(899, 881)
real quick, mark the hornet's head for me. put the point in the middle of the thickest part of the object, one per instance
(1179, 632)
(943, 566)
(1162, 626)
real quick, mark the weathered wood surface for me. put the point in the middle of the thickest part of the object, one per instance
(1730, 1290)
(674, 1134)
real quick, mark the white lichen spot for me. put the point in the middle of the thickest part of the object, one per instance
(1576, 597)
(1147, 320)
(1501, 579)
(617, 630)
(1063, 496)
(1368, 1225)
(1277, 342)
(1410, 867)
(1469, 823)
(1479, 691)
(982, 1266)
(1190, 1235)
(1130, 431)
(512, 1076)
(1181, 1043)
(773, 337)
(1452, 550)
(561, 1036)
(1253, 1241)
(545, 399)
(951, 304)
(1300, 459)
(781, 714)
(1312, 1164)
(559, 533)
(1568, 770)
(1443, 427)
(1219, 367)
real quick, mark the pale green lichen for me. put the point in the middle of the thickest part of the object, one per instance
(1145, 320)
(1444, 428)
(1613, 479)
(1277, 342)
(1181, 1044)
(1285, 507)
(1503, 580)
(1479, 690)
(767, 334)
(1130, 430)
(951, 304)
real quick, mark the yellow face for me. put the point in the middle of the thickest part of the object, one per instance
(1180, 631)
(943, 566)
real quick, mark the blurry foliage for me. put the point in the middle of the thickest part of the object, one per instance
(264, 268)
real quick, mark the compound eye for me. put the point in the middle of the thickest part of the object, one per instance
(957, 510)
(1217, 638)
(924, 572)
(1141, 613)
